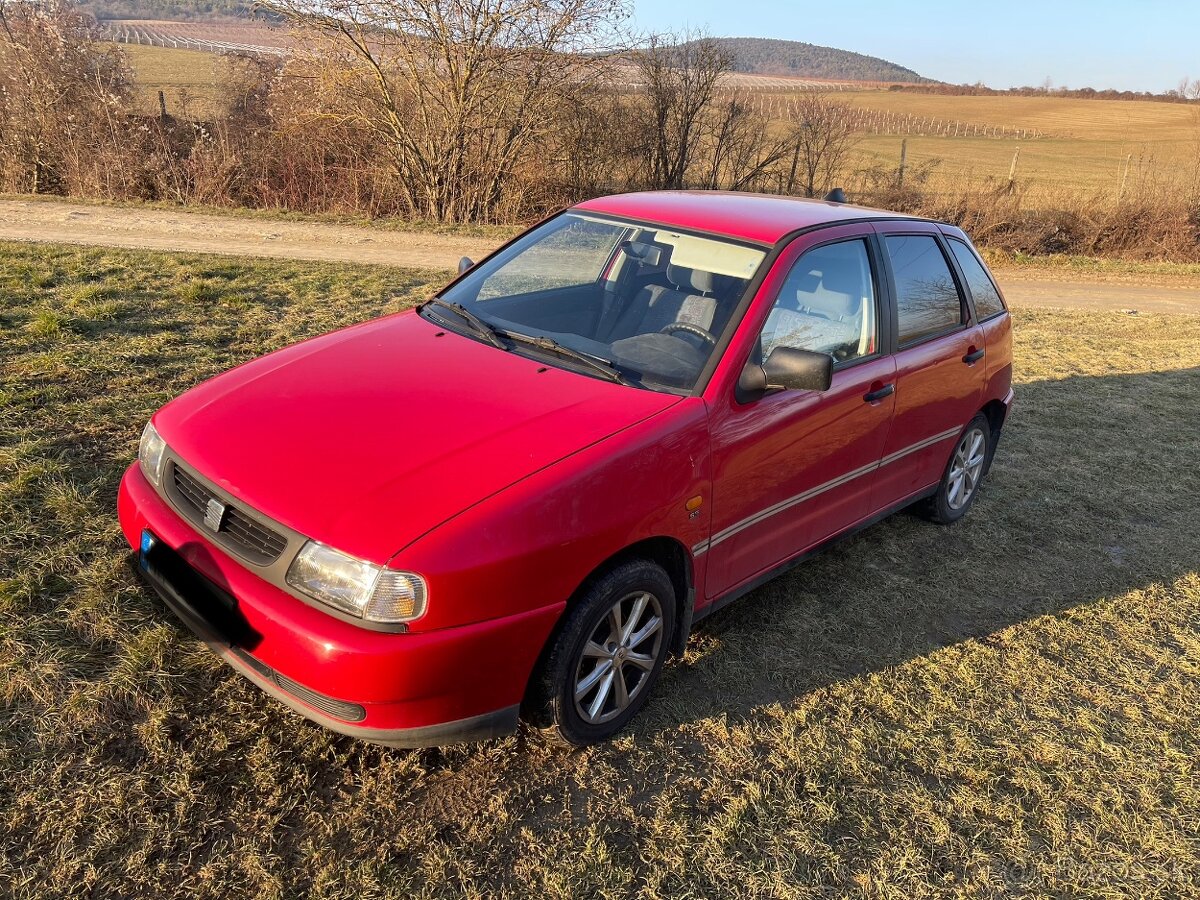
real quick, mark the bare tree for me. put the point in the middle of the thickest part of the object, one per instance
(457, 92)
(740, 153)
(63, 98)
(821, 135)
(680, 74)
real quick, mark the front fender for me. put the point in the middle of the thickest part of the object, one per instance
(533, 544)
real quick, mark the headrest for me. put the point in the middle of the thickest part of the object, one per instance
(806, 282)
(842, 278)
(695, 279)
(842, 268)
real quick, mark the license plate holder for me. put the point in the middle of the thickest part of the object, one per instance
(198, 600)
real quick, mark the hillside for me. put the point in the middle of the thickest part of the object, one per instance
(178, 10)
(768, 56)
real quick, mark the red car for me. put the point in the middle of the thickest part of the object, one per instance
(521, 496)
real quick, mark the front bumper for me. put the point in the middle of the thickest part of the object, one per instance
(407, 690)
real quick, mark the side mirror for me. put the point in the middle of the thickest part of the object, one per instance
(787, 369)
(464, 264)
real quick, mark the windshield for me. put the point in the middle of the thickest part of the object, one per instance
(648, 302)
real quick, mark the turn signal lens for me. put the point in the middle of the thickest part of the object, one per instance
(398, 597)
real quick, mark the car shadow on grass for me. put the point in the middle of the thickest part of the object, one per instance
(1092, 495)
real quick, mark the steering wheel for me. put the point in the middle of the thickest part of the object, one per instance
(689, 328)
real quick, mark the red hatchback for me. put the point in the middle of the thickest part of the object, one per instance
(522, 495)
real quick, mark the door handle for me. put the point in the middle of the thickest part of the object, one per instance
(879, 393)
(973, 356)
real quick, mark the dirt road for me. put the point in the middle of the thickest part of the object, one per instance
(162, 229)
(165, 229)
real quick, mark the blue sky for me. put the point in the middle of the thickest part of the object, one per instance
(1146, 45)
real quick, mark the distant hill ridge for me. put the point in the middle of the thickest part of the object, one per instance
(755, 56)
(771, 56)
(178, 10)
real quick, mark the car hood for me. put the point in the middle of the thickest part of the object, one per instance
(367, 438)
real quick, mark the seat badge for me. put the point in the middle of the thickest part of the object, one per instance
(214, 514)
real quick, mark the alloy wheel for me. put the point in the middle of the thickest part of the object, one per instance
(619, 657)
(966, 468)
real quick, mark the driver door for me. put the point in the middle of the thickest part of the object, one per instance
(793, 468)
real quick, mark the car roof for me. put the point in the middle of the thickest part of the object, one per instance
(762, 218)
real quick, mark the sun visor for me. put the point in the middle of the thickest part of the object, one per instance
(718, 257)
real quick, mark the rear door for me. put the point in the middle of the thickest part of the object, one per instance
(939, 360)
(792, 468)
(987, 305)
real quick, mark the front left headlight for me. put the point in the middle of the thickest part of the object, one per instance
(152, 450)
(362, 589)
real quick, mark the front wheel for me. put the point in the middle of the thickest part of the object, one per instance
(964, 471)
(607, 655)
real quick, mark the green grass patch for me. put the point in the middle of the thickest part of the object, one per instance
(1006, 706)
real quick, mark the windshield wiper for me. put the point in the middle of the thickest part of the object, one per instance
(595, 363)
(480, 327)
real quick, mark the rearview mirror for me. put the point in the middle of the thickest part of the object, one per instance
(464, 264)
(787, 369)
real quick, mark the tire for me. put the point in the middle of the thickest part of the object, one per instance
(587, 648)
(964, 470)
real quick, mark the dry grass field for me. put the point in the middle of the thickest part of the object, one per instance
(1121, 120)
(189, 79)
(1004, 707)
(1091, 145)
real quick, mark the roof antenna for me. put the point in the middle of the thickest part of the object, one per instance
(837, 195)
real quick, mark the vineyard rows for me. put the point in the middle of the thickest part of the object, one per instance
(874, 121)
(131, 34)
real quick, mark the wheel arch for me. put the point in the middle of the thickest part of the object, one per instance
(667, 552)
(995, 412)
(675, 559)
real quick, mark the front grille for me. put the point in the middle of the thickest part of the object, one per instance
(239, 532)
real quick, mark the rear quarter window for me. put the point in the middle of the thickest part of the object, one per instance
(983, 289)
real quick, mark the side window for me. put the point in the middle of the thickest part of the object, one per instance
(983, 289)
(827, 304)
(927, 300)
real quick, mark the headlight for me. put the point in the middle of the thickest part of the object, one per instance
(151, 451)
(359, 588)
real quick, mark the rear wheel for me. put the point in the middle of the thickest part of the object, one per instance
(963, 473)
(607, 655)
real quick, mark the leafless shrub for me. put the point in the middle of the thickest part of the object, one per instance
(679, 75)
(457, 93)
(63, 96)
(821, 136)
(740, 153)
